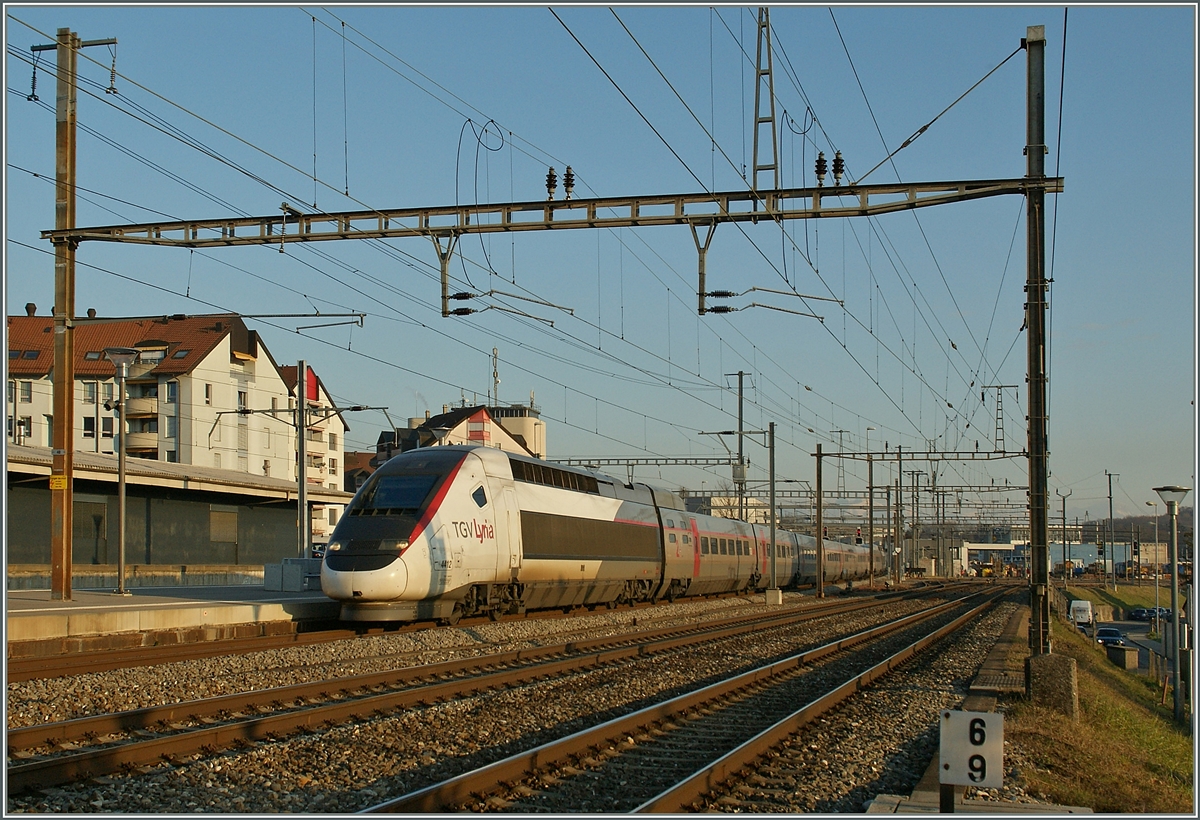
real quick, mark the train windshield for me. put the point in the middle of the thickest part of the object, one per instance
(396, 495)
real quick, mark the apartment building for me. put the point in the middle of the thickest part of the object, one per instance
(204, 391)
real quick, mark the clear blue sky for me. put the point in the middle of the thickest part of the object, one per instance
(226, 110)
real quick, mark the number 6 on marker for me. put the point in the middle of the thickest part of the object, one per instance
(972, 749)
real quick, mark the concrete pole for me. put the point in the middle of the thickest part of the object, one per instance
(302, 528)
(820, 530)
(871, 519)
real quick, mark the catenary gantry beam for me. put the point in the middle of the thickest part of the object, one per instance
(290, 225)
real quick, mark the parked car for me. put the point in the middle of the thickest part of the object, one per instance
(1109, 636)
(1139, 614)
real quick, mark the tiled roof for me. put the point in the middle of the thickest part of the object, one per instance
(187, 341)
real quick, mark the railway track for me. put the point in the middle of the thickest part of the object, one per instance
(37, 667)
(664, 757)
(69, 751)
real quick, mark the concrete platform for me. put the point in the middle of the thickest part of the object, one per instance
(35, 624)
(996, 676)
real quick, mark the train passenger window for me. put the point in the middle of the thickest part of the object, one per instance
(671, 537)
(671, 523)
(724, 548)
(480, 497)
(704, 545)
(687, 539)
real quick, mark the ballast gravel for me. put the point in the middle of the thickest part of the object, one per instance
(353, 766)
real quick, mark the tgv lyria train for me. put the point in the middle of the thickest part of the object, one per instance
(443, 532)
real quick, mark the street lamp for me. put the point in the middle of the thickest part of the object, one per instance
(1157, 562)
(1171, 496)
(122, 358)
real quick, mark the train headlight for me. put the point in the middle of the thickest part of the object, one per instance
(334, 546)
(399, 546)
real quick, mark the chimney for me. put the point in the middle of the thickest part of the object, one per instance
(91, 313)
(30, 309)
(426, 415)
(445, 408)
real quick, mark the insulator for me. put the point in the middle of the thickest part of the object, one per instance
(462, 296)
(839, 168)
(551, 183)
(720, 294)
(568, 182)
(462, 311)
(822, 168)
(721, 309)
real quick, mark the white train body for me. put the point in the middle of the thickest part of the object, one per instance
(442, 532)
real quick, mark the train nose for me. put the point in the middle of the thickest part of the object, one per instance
(364, 579)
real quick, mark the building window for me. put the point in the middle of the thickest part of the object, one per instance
(333, 441)
(241, 405)
(266, 467)
(14, 354)
(172, 427)
(89, 392)
(12, 392)
(49, 420)
(26, 391)
(217, 461)
(172, 392)
(333, 466)
(181, 354)
(143, 425)
(274, 404)
(92, 355)
(106, 391)
(333, 516)
(30, 354)
(89, 427)
(242, 464)
(106, 427)
(173, 456)
(267, 438)
(208, 394)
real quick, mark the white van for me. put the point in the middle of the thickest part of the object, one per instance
(1080, 613)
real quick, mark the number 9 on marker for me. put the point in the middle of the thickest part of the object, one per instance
(972, 749)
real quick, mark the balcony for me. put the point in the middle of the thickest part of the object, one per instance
(141, 441)
(142, 406)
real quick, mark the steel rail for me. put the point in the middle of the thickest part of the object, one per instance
(541, 662)
(448, 794)
(683, 795)
(75, 729)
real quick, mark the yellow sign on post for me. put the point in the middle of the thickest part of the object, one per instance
(58, 482)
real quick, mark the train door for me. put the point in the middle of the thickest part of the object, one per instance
(508, 536)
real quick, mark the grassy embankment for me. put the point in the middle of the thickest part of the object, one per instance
(1125, 754)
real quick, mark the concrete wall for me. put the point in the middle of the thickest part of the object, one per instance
(172, 528)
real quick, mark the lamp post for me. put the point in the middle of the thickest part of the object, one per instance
(1066, 570)
(1171, 496)
(122, 358)
(1157, 563)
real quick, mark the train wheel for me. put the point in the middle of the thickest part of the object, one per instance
(455, 615)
